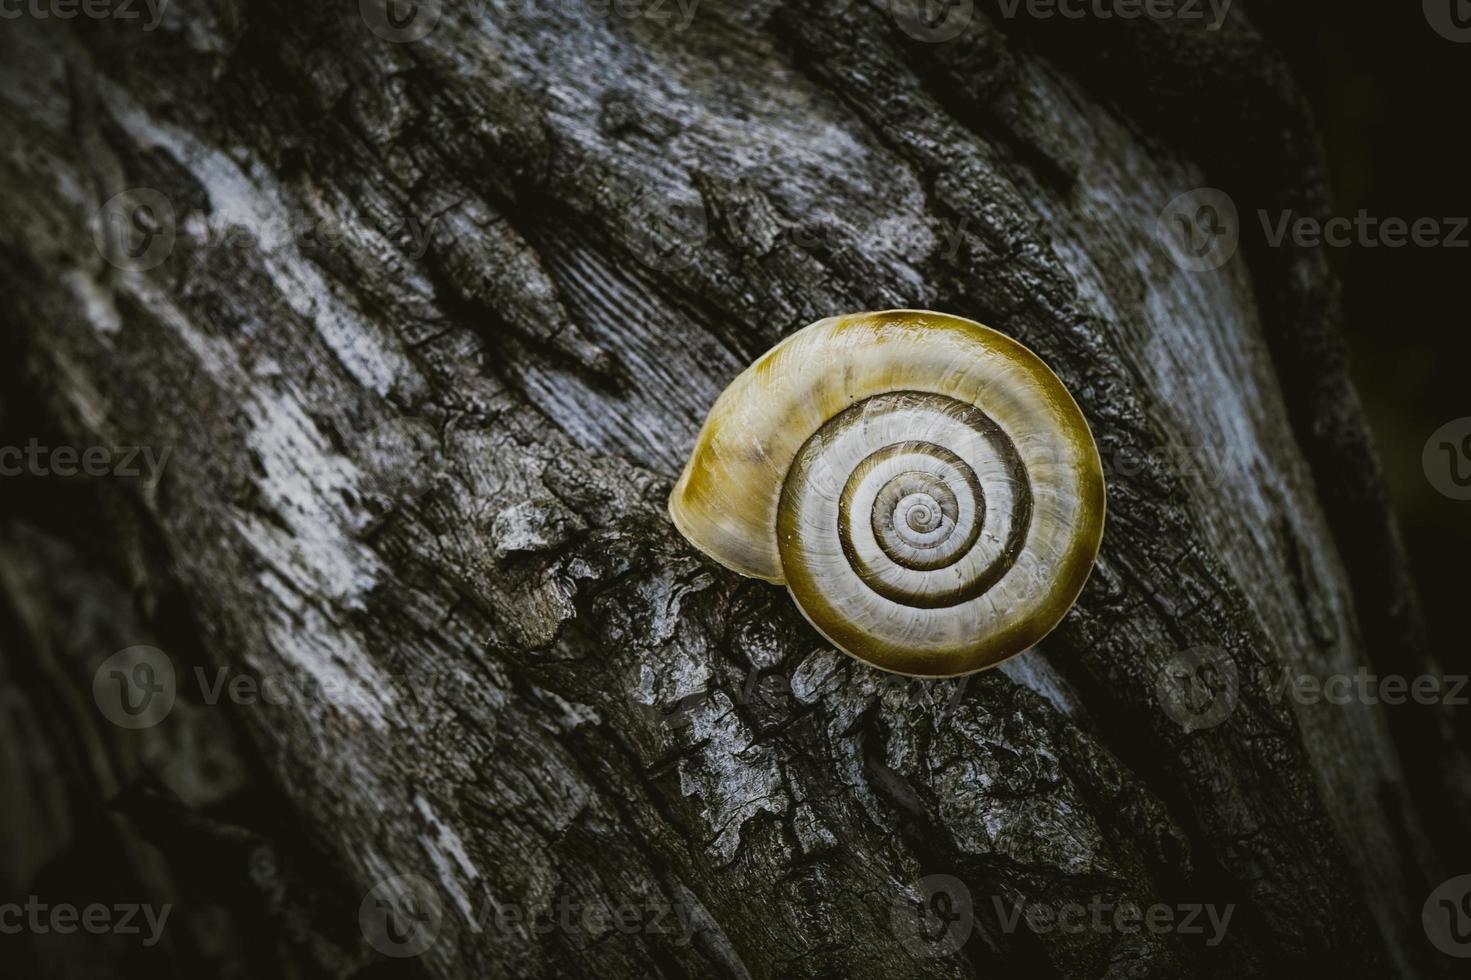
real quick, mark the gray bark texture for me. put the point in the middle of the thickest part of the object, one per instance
(434, 330)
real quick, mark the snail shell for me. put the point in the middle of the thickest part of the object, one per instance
(924, 486)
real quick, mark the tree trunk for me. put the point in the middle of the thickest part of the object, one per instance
(426, 330)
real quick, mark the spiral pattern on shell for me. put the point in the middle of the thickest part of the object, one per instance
(925, 487)
(930, 499)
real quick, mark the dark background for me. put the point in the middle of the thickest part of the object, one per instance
(1390, 98)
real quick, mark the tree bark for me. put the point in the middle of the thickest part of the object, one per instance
(435, 326)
